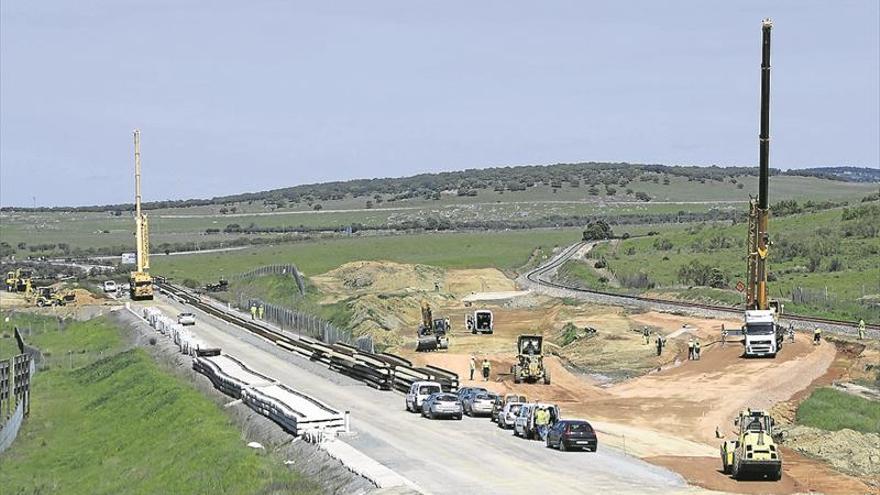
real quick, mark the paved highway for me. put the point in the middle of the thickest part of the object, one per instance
(468, 456)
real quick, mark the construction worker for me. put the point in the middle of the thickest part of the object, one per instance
(253, 311)
(862, 329)
(473, 366)
(260, 311)
(659, 344)
(542, 419)
(723, 335)
(486, 368)
(690, 349)
(817, 336)
(791, 333)
(647, 336)
(697, 350)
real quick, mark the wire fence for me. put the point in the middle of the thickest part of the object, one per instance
(306, 324)
(281, 269)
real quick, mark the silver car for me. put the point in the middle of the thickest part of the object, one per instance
(186, 319)
(441, 405)
(479, 404)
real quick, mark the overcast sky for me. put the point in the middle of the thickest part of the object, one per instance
(253, 95)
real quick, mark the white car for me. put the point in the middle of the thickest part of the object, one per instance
(186, 319)
(109, 286)
(418, 392)
(508, 415)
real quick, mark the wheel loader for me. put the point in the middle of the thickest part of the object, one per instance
(18, 280)
(530, 361)
(432, 332)
(48, 296)
(753, 454)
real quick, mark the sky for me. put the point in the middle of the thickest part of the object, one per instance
(235, 96)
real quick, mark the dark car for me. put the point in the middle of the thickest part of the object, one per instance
(572, 434)
(441, 405)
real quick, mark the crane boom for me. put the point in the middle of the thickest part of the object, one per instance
(140, 282)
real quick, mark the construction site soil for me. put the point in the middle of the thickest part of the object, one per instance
(664, 409)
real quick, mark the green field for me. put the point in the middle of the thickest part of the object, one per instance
(114, 422)
(504, 250)
(834, 261)
(832, 410)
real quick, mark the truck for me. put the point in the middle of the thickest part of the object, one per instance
(754, 453)
(762, 333)
(481, 321)
(139, 281)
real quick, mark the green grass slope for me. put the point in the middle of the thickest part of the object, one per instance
(832, 410)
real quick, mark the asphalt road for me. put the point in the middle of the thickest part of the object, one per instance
(467, 456)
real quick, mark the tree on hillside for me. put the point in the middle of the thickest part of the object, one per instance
(598, 230)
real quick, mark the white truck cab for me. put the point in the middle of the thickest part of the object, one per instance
(418, 392)
(762, 335)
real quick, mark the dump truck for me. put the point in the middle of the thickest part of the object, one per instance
(529, 365)
(753, 454)
(432, 332)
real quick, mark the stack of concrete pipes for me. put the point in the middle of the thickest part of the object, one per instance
(187, 342)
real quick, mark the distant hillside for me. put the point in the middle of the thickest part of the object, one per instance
(469, 182)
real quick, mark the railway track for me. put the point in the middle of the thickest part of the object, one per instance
(536, 276)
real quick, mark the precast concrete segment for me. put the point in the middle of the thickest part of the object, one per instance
(468, 456)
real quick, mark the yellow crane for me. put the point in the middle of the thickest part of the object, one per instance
(140, 282)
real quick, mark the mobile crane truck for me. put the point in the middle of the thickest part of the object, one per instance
(140, 282)
(762, 335)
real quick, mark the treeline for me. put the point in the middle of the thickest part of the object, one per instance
(469, 182)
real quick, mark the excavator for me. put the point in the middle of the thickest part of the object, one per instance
(432, 332)
(140, 281)
(753, 454)
(762, 335)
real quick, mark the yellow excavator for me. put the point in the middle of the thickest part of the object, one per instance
(140, 282)
(432, 332)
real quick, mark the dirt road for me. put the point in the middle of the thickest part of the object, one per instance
(468, 456)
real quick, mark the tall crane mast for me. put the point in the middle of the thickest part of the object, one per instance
(140, 281)
(762, 334)
(759, 210)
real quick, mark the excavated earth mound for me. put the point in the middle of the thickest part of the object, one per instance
(849, 451)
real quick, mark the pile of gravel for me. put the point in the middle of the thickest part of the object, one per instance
(847, 450)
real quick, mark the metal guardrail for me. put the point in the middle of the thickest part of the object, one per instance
(381, 371)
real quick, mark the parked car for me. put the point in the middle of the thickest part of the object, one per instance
(463, 393)
(500, 402)
(571, 434)
(186, 319)
(508, 415)
(524, 425)
(479, 403)
(418, 392)
(440, 405)
(109, 286)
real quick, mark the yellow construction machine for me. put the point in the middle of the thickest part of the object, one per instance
(432, 331)
(18, 280)
(754, 454)
(49, 296)
(140, 282)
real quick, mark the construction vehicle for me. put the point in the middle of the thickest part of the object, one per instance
(481, 321)
(753, 454)
(140, 282)
(529, 365)
(762, 334)
(18, 280)
(48, 296)
(432, 331)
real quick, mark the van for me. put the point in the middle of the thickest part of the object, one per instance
(524, 426)
(418, 392)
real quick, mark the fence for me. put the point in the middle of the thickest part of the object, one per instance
(283, 269)
(15, 392)
(307, 324)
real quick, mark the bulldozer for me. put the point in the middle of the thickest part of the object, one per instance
(753, 454)
(432, 331)
(530, 360)
(18, 280)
